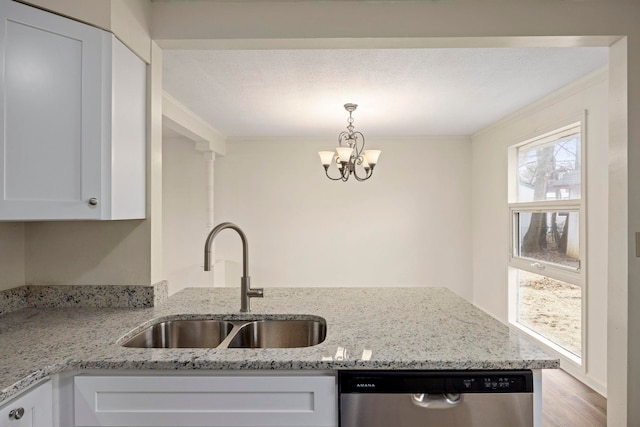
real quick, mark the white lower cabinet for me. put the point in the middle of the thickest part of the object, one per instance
(32, 409)
(212, 401)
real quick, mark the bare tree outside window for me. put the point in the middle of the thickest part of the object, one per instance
(550, 171)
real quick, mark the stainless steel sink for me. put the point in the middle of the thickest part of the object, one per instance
(279, 334)
(214, 333)
(182, 334)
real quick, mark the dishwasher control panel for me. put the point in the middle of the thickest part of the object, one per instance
(436, 381)
(493, 383)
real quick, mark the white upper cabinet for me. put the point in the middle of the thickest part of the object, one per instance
(72, 120)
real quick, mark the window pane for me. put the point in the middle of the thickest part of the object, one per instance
(551, 170)
(551, 237)
(551, 308)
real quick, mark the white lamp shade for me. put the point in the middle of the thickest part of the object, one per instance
(344, 153)
(371, 156)
(365, 164)
(326, 157)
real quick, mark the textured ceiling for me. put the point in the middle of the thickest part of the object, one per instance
(399, 92)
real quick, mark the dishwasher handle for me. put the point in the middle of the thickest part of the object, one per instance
(436, 401)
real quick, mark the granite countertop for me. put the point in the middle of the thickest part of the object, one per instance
(406, 328)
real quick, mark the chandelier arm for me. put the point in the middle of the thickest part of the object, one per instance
(359, 151)
(342, 138)
(369, 173)
(326, 172)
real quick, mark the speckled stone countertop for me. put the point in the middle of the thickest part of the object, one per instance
(407, 328)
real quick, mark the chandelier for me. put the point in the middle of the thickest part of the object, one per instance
(350, 153)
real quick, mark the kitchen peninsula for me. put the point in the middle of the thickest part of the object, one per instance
(403, 328)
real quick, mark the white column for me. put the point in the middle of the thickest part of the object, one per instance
(210, 158)
(219, 271)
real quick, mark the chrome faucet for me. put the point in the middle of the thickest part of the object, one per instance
(246, 293)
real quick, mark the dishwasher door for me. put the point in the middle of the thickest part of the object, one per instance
(436, 398)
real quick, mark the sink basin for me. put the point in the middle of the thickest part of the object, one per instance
(182, 334)
(210, 333)
(279, 334)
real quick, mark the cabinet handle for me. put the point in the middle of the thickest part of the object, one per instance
(93, 201)
(16, 414)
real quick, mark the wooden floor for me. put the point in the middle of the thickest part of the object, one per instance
(566, 402)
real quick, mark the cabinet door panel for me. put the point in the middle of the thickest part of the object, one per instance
(225, 401)
(51, 92)
(43, 85)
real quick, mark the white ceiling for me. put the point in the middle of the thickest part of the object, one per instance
(399, 92)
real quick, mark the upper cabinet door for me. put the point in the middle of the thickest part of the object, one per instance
(56, 120)
(51, 99)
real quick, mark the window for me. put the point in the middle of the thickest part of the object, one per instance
(547, 256)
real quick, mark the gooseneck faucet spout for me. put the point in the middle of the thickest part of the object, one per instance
(246, 293)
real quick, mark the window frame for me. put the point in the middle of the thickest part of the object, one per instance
(567, 274)
(552, 270)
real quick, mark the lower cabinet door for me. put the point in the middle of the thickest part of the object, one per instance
(220, 401)
(32, 409)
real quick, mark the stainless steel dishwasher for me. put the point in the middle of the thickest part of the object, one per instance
(436, 398)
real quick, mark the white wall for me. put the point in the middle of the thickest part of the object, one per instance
(12, 269)
(87, 252)
(491, 220)
(409, 225)
(184, 214)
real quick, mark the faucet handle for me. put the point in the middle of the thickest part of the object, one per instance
(255, 293)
